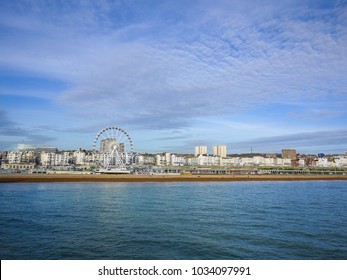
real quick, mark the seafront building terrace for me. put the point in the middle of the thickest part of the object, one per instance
(30, 160)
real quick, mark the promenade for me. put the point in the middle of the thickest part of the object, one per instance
(27, 178)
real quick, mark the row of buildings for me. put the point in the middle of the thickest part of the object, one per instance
(51, 158)
(269, 160)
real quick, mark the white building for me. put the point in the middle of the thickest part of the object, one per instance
(200, 150)
(14, 157)
(162, 159)
(159, 160)
(204, 160)
(28, 156)
(269, 161)
(89, 158)
(169, 159)
(55, 159)
(341, 161)
(227, 161)
(66, 157)
(258, 161)
(255, 161)
(247, 162)
(322, 162)
(145, 159)
(140, 160)
(47, 159)
(79, 157)
(283, 161)
(177, 161)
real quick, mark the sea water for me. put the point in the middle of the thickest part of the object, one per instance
(200, 220)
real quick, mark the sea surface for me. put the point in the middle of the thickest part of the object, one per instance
(207, 220)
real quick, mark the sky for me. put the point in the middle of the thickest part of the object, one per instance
(260, 75)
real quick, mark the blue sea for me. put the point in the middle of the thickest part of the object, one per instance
(199, 220)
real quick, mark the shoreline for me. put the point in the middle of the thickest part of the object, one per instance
(56, 178)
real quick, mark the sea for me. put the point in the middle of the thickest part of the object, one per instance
(289, 220)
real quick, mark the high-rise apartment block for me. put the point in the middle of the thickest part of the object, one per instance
(287, 153)
(200, 150)
(220, 151)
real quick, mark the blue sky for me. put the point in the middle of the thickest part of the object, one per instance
(175, 74)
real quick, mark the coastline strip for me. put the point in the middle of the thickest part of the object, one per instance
(32, 178)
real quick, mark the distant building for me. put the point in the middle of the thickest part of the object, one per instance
(322, 162)
(287, 153)
(28, 157)
(163, 159)
(177, 161)
(14, 157)
(47, 149)
(220, 151)
(24, 147)
(341, 161)
(79, 157)
(200, 150)
(145, 159)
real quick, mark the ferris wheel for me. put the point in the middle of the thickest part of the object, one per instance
(113, 148)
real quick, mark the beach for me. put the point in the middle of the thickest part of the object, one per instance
(29, 178)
